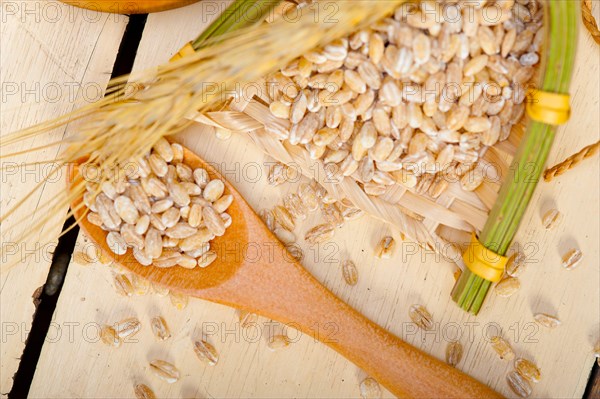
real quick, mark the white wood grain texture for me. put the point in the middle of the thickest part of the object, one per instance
(51, 56)
(175, 28)
(384, 292)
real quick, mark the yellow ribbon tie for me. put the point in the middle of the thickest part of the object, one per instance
(483, 262)
(548, 108)
(184, 52)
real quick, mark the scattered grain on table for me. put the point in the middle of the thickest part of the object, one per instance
(547, 320)
(165, 371)
(206, 352)
(528, 370)
(143, 391)
(160, 329)
(518, 384)
(349, 272)
(385, 247)
(572, 259)
(370, 389)
(502, 348)
(507, 287)
(278, 342)
(421, 317)
(454, 353)
(551, 219)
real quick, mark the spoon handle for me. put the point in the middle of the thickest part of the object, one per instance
(280, 288)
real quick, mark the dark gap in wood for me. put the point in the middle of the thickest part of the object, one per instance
(47, 298)
(592, 389)
(46, 303)
(129, 45)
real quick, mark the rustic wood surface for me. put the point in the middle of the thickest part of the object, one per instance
(271, 284)
(74, 364)
(51, 55)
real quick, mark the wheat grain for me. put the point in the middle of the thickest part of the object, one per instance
(507, 286)
(572, 259)
(364, 78)
(518, 384)
(206, 352)
(502, 348)
(547, 320)
(528, 370)
(142, 391)
(551, 219)
(160, 328)
(385, 248)
(109, 336)
(165, 371)
(516, 264)
(319, 234)
(123, 285)
(278, 342)
(143, 218)
(370, 389)
(349, 272)
(454, 352)
(128, 327)
(421, 317)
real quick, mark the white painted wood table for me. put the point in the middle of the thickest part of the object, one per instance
(51, 56)
(74, 364)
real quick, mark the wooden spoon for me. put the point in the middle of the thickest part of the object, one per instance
(254, 272)
(129, 6)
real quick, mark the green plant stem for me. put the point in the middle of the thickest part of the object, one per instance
(240, 14)
(470, 290)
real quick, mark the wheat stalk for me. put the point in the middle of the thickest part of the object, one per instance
(120, 128)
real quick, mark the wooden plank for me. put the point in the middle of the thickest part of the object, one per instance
(175, 28)
(384, 292)
(51, 57)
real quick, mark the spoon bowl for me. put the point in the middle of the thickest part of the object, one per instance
(254, 272)
(187, 281)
